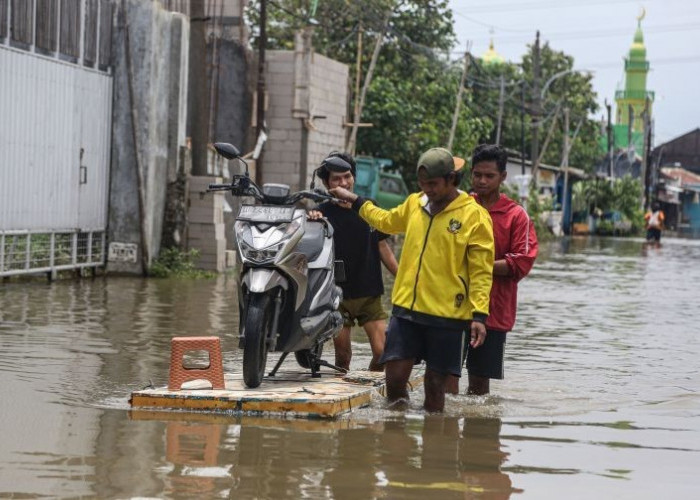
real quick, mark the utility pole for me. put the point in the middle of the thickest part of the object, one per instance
(536, 105)
(565, 167)
(199, 90)
(260, 92)
(522, 127)
(549, 133)
(368, 79)
(358, 76)
(611, 146)
(646, 155)
(501, 99)
(302, 100)
(460, 90)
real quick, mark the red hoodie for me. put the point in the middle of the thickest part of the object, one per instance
(516, 242)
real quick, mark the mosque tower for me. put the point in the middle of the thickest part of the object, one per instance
(635, 95)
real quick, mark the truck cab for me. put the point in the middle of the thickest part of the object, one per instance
(376, 180)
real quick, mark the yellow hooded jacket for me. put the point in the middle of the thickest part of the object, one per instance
(446, 264)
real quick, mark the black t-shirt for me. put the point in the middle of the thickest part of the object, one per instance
(356, 244)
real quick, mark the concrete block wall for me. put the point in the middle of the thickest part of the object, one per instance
(328, 97)
(282, 159)
(206, 231)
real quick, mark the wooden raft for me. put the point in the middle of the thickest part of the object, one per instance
(290, 394)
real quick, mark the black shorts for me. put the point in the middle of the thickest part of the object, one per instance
(653, 234)
(487, 359)
(440, 347)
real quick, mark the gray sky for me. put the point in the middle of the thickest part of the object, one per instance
(598, 34)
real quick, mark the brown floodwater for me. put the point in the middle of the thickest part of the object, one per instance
(601, 397)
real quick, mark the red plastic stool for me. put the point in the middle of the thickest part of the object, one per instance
(179, 374)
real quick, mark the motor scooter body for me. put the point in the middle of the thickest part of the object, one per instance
(290, 258)
(288, 299)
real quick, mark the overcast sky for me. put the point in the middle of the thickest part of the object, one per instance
(598, 33)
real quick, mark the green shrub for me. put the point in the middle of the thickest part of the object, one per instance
(605, 228)
(174, 263)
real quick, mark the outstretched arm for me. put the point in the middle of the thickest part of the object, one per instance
(387, 221)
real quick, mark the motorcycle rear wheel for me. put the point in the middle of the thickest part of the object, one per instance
(257, 327)
(304, 356)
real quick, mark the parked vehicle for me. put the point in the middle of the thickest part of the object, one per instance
(377, 181)
(288, 298)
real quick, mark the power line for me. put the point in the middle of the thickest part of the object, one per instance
(557, 4)
(588, 34)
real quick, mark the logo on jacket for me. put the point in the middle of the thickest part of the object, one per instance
(459, 298)
(454, 226)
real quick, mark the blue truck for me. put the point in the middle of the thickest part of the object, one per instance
(378, 181)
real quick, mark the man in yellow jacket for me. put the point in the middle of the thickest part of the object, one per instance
(443, 280)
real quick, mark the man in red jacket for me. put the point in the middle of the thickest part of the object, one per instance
(516, 249)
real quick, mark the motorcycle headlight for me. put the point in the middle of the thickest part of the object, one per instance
(260, 255)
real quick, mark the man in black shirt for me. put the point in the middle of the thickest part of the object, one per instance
(361, 248)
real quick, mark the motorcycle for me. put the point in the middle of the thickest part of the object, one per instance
(288, 297)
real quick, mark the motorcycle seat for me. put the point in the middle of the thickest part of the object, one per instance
(311, 243)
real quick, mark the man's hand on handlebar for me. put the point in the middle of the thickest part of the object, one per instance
(314, 215)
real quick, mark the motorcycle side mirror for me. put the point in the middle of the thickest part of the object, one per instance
(231, 152)
(228, 151)
(339, 271)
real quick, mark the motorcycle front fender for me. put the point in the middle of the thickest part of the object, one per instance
(262, 280)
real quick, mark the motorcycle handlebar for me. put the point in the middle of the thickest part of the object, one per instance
(252, 190)
(219, 187)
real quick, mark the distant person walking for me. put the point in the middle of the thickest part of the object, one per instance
(516, 249)
(655, 223)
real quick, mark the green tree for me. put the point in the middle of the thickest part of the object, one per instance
(573, 90)
(412, 95)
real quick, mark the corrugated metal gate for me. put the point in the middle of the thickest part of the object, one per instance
(55, 132)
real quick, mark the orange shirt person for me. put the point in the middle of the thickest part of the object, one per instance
(655, 223)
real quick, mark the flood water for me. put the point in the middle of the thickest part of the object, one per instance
(601, 397)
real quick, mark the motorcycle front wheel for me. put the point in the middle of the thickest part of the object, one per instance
(256, 330)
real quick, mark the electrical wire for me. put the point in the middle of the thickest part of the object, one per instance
(540, 5)
(594, 34)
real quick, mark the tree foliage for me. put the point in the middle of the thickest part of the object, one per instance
(412, 96)
(598, 196)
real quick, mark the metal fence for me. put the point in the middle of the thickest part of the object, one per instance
(26, 252)
(55, 133)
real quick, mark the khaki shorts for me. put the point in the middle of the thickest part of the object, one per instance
(362, 310)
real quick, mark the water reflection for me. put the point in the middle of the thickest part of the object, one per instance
(267, 458)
